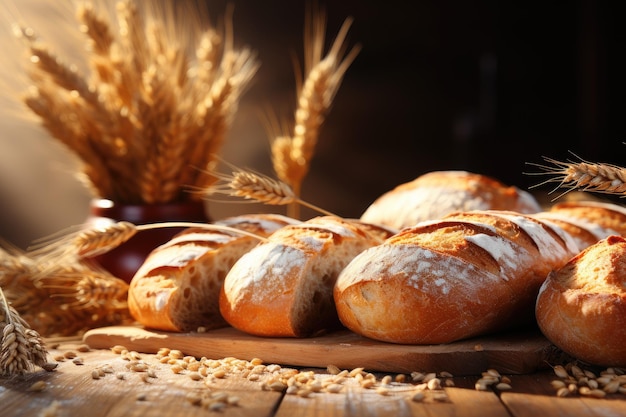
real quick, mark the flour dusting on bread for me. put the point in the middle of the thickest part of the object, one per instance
(284, 287)
(467, 274)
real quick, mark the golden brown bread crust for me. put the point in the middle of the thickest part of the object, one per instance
(582, 230)
(177, 287)
(438, 193)
(606, 215)
(283, 287)
(467, 274)
(581, 307)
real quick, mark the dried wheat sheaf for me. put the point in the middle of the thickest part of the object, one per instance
(161, 93)
(59, 297)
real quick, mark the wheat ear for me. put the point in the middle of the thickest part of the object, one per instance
(257, 188)
(59, 298)
(21, 348)
(149, 109)
(291, 155)
(91, 242)
(81, 288)
(584, 176)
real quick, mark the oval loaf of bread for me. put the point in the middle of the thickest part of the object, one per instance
(177, 287)
(581, 307)
(584, 232)
(437, 193)
(465, 275)
(284, 286)
(606, 215)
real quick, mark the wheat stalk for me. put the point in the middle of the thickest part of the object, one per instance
(291, 155)
(257, 187)
(72, 247)
(21, 348)
(584, 176)
(159, 97)
(59, 298)
(15, 278)
(87, 289)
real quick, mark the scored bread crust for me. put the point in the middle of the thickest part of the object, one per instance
(468, 274)
(283, 287)
(581, 307)
(602, 214)
(438, 193)
(584, 232)
(177, 287)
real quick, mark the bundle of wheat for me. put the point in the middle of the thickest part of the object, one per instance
(156, 106)
(59, 297)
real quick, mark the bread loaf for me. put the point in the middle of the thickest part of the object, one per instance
(284, 286)
(582, 230)
(468, 274)
(177, 287)
(581, 307)
(602, 214)
(435, 194)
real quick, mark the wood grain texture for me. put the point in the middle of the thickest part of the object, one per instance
(521, 405)
(514, 353)
(78, 394)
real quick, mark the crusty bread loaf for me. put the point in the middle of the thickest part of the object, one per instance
(467, 274)
(581, 307)
(177, 287)
(437, 193)
(584, 232)
(602, 214)
(284, 286)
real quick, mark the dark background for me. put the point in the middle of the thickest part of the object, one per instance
(480, 86)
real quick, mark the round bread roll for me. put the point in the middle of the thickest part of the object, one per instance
(581, 307)
(438, 193)
(177, 287)
(284, 286)
(465, 275)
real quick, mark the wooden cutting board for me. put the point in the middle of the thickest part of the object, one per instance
(510, 353)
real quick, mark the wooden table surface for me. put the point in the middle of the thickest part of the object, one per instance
(108, 383)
